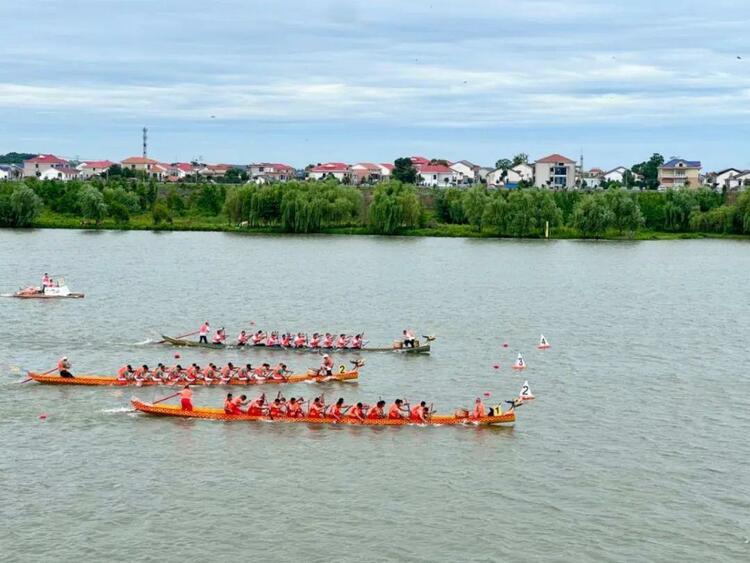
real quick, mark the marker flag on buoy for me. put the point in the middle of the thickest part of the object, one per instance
(487, 394)
(520, 363)
(505, 344)
(543, 344)
(525, 394)
(496, 366)
(43, 416)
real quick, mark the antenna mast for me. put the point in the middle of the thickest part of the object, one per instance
(145, 142)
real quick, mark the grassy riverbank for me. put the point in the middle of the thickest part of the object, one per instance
(144, 222)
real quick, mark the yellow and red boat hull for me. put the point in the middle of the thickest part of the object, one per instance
(505, 419)
(113, 381)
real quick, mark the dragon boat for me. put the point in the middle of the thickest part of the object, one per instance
(417, 349)
(113, 381)
(505, 419)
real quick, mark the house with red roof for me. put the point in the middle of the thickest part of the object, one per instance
(90, 168)
(338, 170)
(179, 171)
(271, 172)
(215, 170)
(386, 169)
(419, 160)
(555, 171)
(39, 164)
(435, 175)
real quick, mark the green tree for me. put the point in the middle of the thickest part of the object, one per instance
(160, 213)
(404, 171)
(209, 199)
(449, 205)
(649, 170)
(119, 212)
(394, 207)
(741, 218)
(504, 164)
(91, 203)
(25, 206)
(174, 202)
(546, 209)
(474, 202)
(520, 158)
(496, 212)
(626, 212)
(592, 216)
(678, 206)
(522, 216)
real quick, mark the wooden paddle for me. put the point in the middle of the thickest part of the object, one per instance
(165, 398)
(181, 336)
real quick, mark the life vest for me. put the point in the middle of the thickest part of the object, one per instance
(255, 408)
(204, 330)
(335, 411)
(328, 342)
(315, 411)
(341, 342)
(257, 338)
(479, 411)
(356, 412)
(274, 409)
(186, 394)
(394, 412)
(416, 413)
(242, 339)
(314, 342)
(122, 373)
(374, 413)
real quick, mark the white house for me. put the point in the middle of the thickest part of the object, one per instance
(725, 178)
(385, 170)
(482, 173)
(338, 170)
(465, 172)
(10, 172)
(365, 172)
(616, 174)
(35, 166)
(512, 176)
(65, 173)
(740, 181)
(271, 171)
(93, 168)
(435, 175)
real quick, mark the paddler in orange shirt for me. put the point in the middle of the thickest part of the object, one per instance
(316, 408)
(357, 412)
(479, 410)
(294, 409)
(417, 413)
(255, 408)
(376, 411)
(124, 373)
(396, 410)
(337, 409)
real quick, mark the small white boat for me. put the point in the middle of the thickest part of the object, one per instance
(543, 344)
(525, 394)
(520, 363)
(58, 291)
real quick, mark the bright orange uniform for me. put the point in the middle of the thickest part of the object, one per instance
(256, 407)
(315, 411)
(479, 410)
(375, 413)
(335, 411)
(394, 412)
(186, 399)
(416, 413)
(294, 410)
(356, 412)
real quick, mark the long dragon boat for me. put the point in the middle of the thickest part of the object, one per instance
(505, 419)
(113, 381)
(419, 349)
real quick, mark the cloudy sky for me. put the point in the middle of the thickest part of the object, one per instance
(349, 80)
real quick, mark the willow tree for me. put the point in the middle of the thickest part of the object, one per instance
(25, 206)
(474, 202)
(592, 216)
(626, 212)
(522, 219)
(677, 209)
(394, 207)
(91, 203)
(496, 212)
(546, 209)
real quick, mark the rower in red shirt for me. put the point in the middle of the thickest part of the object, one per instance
(209, 373)
(228, 404)
(357, 412)
(395, 410)
(314, 341)
(376, 411)
(226, 373)
(238, 403)
(220, 336)
(357, 342)
(478, 411)
(258, 338)
(336, 410)
(141, 373)
(294, 409)
(417, 413)
(300, 340)
(191, 374)
(342, 341)
(186, 398)
(256, 406)
(316, 408)
(279, 372)
(124, 373)
(273, 340)
(328, 340)
(275, 410)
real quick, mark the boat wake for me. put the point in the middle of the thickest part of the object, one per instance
(144, 342)
(117, 410)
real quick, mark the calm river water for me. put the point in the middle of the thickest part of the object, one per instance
(635, 449)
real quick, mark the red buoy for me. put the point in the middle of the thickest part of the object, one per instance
(496, 366)
(42, 416)
(177, 356)
(505, 344)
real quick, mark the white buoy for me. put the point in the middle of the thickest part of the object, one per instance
(520, 363)
(525, 394)
(543, 344)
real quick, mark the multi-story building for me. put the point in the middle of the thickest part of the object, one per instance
(271, 171)
(435, 175)
(91, 168)
(555, 171)
(39, 164)
(680, 173)
(338, 170)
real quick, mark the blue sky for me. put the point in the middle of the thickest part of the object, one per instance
(349, 80)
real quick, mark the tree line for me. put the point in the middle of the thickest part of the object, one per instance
(392, 207)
